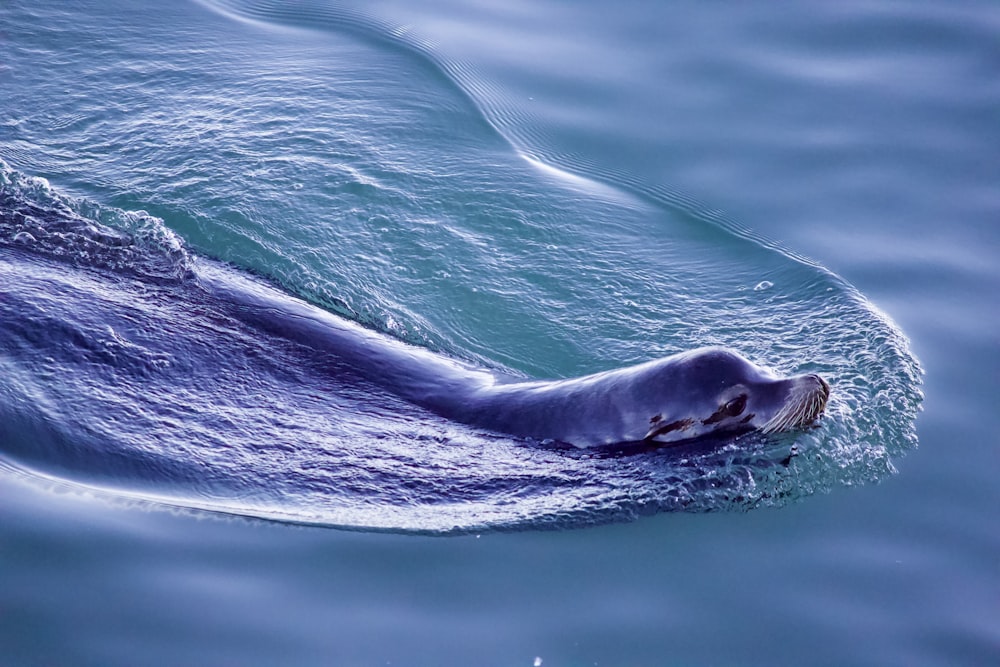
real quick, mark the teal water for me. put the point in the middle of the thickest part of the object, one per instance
(543, 190)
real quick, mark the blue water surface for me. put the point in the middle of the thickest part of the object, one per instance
(538, 189)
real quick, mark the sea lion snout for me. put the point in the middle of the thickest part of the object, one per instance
(824, 385)
(804, 404)
(818, 397)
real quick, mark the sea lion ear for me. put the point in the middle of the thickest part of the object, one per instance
(659, 428)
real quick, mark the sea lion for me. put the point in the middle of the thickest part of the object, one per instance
(677, 398)
(681, 397)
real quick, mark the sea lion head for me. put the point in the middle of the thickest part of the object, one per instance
(717, 391)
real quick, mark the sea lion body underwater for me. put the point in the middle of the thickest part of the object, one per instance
(707, 391)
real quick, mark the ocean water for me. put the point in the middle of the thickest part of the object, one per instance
(544, 190)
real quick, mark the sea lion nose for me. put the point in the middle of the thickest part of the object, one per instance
(823, 385)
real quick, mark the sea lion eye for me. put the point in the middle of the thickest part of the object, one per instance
(736, 406)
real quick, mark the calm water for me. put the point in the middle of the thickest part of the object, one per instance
(540, 189)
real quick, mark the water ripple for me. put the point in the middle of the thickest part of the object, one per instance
(383, 182)
(120, 382)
